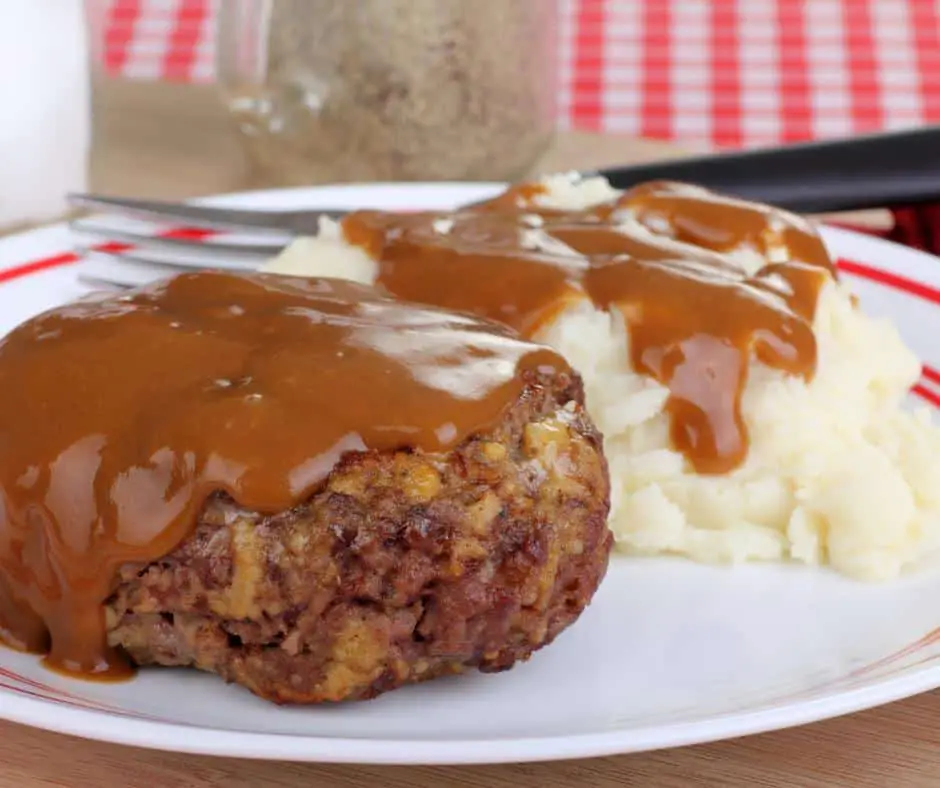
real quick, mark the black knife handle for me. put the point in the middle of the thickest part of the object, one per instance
(880, 170)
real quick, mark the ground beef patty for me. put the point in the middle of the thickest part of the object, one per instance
(402, 568)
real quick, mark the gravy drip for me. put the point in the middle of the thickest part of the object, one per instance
(666, 257)
(119, 417)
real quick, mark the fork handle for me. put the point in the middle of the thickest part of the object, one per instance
(880, 170)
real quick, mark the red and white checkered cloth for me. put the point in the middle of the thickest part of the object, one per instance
(727, 73)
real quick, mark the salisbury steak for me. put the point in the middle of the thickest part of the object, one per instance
(402, 568)
(308, 487)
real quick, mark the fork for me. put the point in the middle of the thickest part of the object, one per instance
(882, 170)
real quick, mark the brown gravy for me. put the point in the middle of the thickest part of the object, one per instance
(694, 312)
(119, 417)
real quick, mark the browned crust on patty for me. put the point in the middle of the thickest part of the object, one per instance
(403, 567)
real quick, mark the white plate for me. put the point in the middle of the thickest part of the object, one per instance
(669, 653)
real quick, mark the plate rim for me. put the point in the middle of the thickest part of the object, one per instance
(170, 737)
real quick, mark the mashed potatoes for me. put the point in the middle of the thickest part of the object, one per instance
(836, 472)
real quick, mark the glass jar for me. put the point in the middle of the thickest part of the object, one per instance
(364, 90)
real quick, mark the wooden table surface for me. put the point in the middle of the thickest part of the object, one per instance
(144, 152)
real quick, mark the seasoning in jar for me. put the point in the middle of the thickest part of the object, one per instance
(331, 90)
